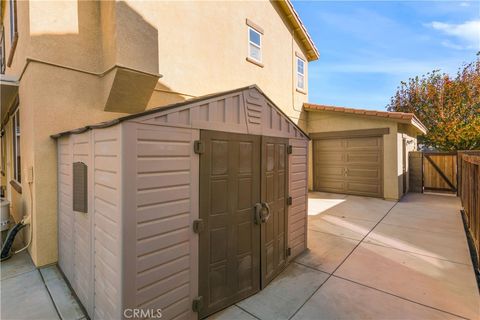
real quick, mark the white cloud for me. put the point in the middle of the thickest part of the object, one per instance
(468, 31)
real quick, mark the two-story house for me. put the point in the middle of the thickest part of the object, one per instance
(72, 63)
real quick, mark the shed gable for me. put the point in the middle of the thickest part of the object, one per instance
(246, 111)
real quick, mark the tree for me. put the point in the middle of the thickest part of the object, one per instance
(448, 106)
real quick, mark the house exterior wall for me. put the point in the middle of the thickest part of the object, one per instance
(65, 52)
(325, 121)
(410, 135)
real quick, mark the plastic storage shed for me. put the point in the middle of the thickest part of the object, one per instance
(189, 207)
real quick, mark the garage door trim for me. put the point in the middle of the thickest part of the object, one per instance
(377, 132)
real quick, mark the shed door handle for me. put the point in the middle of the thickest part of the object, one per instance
(262, 212)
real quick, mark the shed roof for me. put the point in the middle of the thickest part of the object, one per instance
(253, 111)
(401, 117)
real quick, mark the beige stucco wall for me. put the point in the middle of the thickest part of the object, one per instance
(212, 43)
(409, 133)
(198, 47)
(324, 121)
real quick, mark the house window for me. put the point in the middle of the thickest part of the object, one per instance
(300, 74)
(13, 30)
(4, 151)
(254, 44)
(13, 19)
(17, 176)
(2, 50)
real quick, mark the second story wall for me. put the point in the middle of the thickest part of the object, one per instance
(203, 46)
(199, 47)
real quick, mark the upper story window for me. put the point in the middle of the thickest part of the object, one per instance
(300, 74)
(2, 50)
(17, 170)
(254, 44)
(13, 30)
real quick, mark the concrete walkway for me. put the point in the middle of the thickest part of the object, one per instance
(30, 293)
(374, 259)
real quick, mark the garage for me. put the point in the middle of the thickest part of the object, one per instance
(187, 208)
(351, 165)
(360, 152)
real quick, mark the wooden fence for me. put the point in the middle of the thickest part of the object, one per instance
(469, 189)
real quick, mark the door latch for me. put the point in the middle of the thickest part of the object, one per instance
(198, 147)
(197, 304)
(198, 225)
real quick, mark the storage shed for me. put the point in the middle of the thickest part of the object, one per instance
(187, 208)
(361, 152)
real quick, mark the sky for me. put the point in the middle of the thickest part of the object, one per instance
(368, 47)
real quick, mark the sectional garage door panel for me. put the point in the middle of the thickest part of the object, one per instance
(349, 165)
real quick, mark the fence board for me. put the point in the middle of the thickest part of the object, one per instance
(469, 185)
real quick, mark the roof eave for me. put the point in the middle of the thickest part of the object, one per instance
(299, 28)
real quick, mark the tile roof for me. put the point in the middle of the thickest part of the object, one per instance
(395, 116)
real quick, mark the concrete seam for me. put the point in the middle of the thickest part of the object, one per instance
(400, 297)
(418, 254)
(343, 261)
(236, 305)
(50, 295)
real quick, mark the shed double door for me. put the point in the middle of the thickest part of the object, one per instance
(243, 192)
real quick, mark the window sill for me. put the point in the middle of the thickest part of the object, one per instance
(301, 91)
(15, 185)
(261, 65)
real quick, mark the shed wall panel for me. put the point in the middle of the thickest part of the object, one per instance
(107, 222)
(65, 209)
(82, 235)
(89, 243)
(161, 200)
(298, 190)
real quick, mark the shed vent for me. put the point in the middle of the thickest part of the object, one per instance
(80, 192)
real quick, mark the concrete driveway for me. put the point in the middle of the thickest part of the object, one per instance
(374, 259)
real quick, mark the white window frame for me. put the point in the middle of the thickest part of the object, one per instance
(300, 74)
(254, 44)
(16, 127)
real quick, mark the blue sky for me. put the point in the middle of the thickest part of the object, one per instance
(368, 47)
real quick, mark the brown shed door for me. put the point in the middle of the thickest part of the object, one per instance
(229, 250)
(242, 248)
(349, 165)
(274, 193)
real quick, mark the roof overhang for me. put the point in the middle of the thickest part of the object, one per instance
(399, 117)
(299, 29)
(8, 93)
